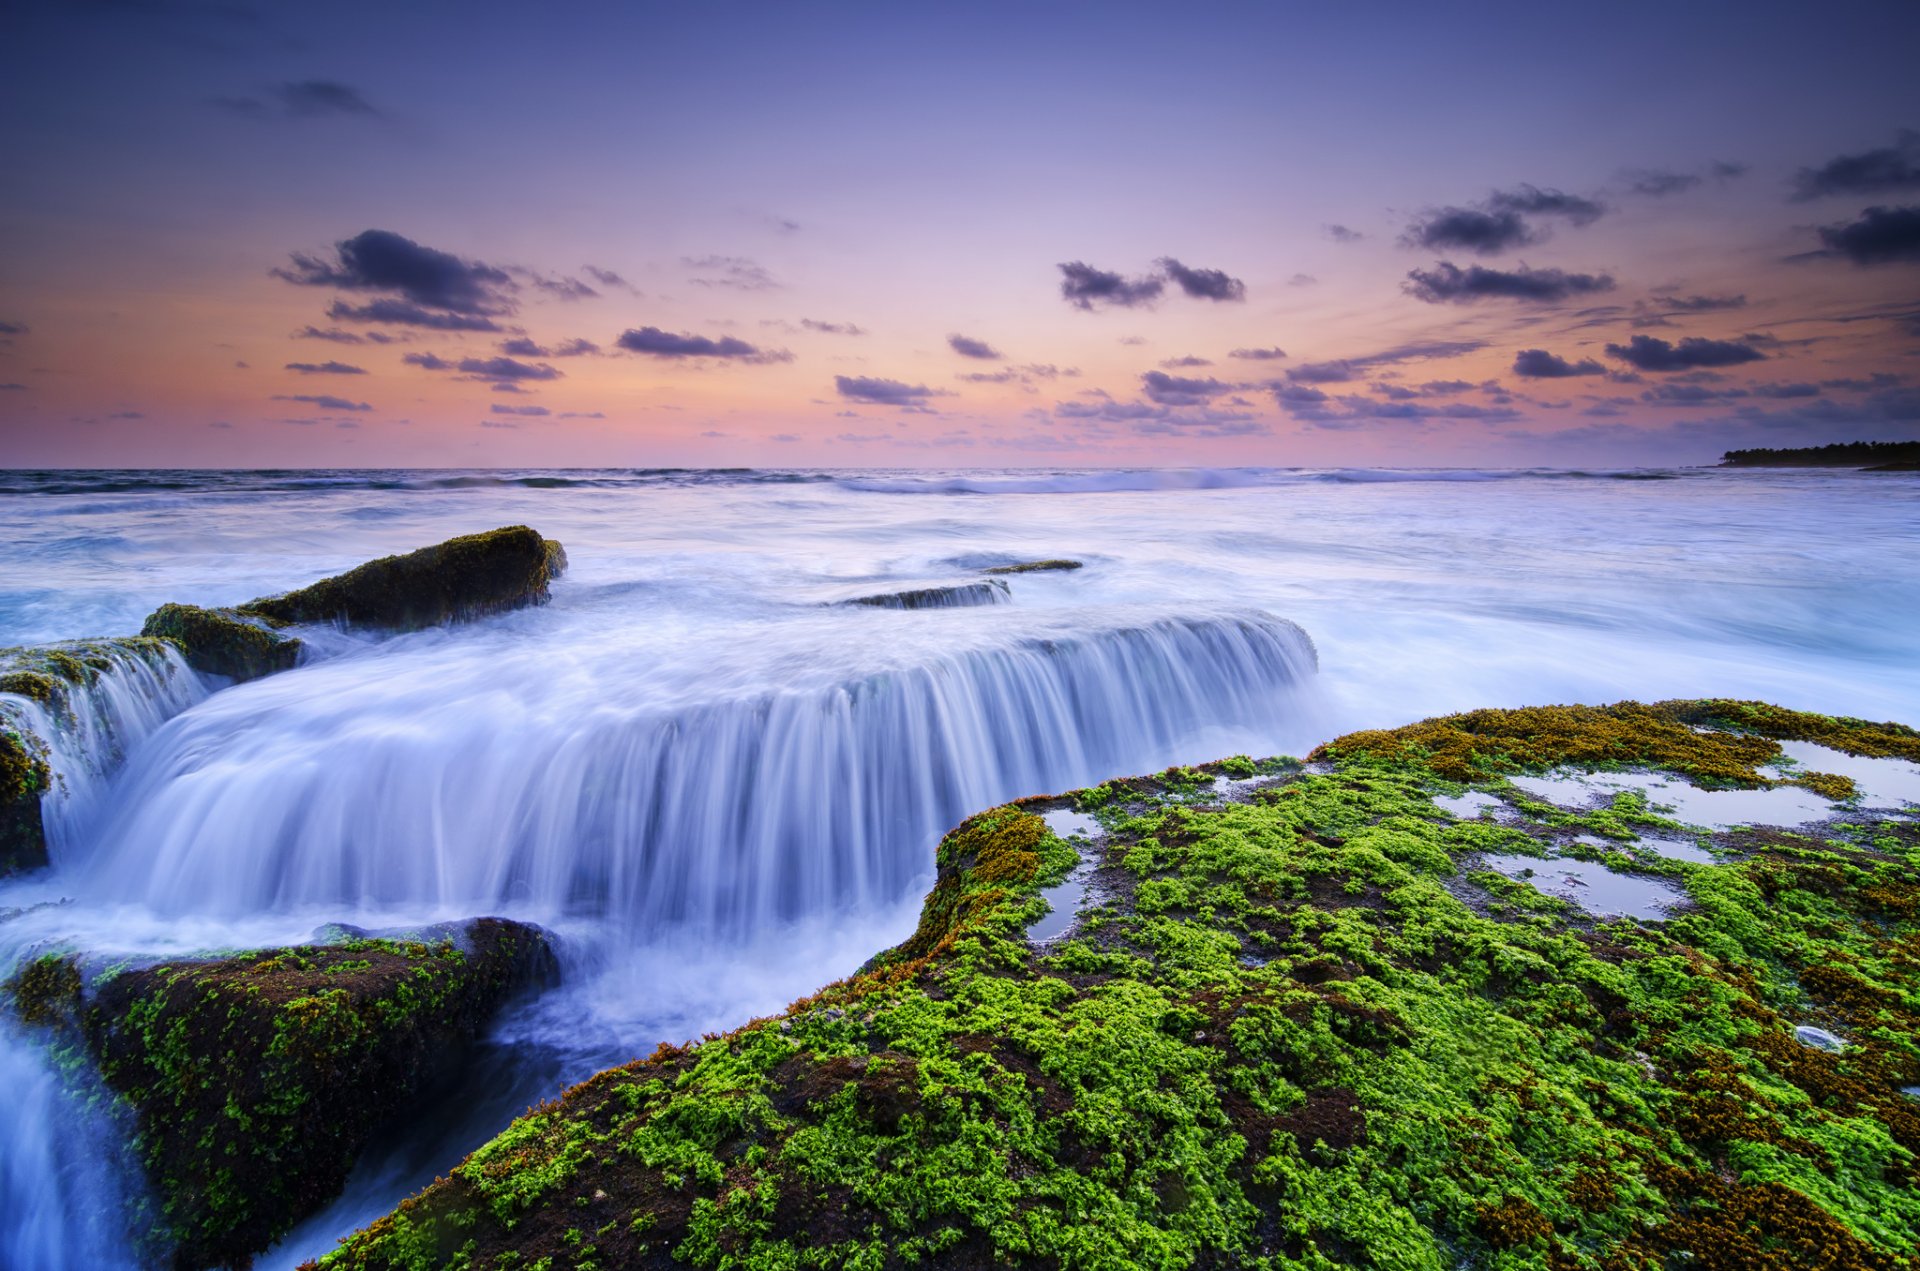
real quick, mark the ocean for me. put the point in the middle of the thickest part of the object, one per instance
(720, 785)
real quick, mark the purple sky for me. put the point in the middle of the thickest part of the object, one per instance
(904, 235)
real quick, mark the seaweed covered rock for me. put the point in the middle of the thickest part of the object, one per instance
(224, 641)
(1298, 1024)
(255, 1080)
(466, 577)
(24, 777)
(949, 596)
(1033, 567)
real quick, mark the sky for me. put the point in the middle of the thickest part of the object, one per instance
(981, 235)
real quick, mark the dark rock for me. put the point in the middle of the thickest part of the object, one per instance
(954, 596)
(256, 1080)
(23, 779)
(466, 577)
(1033, 567)
(224, 641)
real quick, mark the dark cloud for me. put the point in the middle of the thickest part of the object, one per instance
(1701, 304)
(301, 99)
(1447, 283)
(380, 260)
(581, 414)
(608, 278)
(1727, 171)
(13, 388)
(653, 342)
(1203, 284)
(1318, 409)
(520, 346)
(535, 411)
(559, 288)
(967, 346)
(402, 313)
(1177, 390)
(1469, 229)
(832, 328)
(1531, 200)
(1538, 364)
(1303, 280)
(9, 330)
(1871, 172)
(428, 361)
(1654, 184)
(322, 368)
(506, 368)
(1083, 287)
(334, 335)
(324, 401)
(882, 392)
(1259, 355)
(1691, 395)
(736, 273)
(1646, 353)
(1341, 370)
(1337, 371)
(1881, 235)
(575, 347)
(1181, 363)
(1341, 234)
(1789, 390)
(1160, 420)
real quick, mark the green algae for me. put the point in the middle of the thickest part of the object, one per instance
(465, 577)
(1300, 1030)
(254, 1080)
(224, 641)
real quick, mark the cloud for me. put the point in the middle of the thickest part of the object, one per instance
(1357, 410)
(10, 331)
(1654, 184)
(1259, 355)
(1083, 287)
(883, 392)
(1303, 280)
(1340, 370)
(1203, 284)
(576, 347)
(568, 289)
(1702, 304)
(402, 313)
(13, 388)
(736, 273)
(506, 368)
(1691, 395)
(499, 409)
(1538, 364)
(1646, 353)
(334, 335)
(324, 401)
(1871, 172)
(832, 328)
(1531, 200)
(1470, 229)
(967, 346)
(653, 342)
(301, 99)
(1341, 234)
(1882, 235)
(1177, 390)
(608, 278)
(323, 368)
(581, 414)
(1196, 421)
(520, 346)
(380, 260)
(1179, 363)
(1447, 283)
(429, 361)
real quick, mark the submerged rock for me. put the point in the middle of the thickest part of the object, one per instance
(466, 577)
(1032, 567)
(255, 1080)
(1301, 1027)
(952, 596)
(224, 641)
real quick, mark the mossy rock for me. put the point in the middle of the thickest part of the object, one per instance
(224, 641)
(255, 1080)
(1033, 567)
(466, 577)
(24, 777)
(951, 596)
(1288, 1031)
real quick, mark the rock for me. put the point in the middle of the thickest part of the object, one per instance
(466, 577)
(1033, 567)
(255, 1080)
(24, 777)
(224, 641)
(556, 559)
(954, 596)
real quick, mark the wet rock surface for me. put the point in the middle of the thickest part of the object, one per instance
(946, 596)
(224, 641)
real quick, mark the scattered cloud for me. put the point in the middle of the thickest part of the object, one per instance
(1342, 370)
(428, 361)
(1531, 200)
(402, 313)
(13, 388)
(1881, 235)
(1341, 234)
(576, 347)
(300, 99)
(1447, 283)
(1485, 233)
(506, 368)
(737, 273)
(1176, 390)
(1179, 363)
(1083, 287)
(967, 346)
(653, 342)
(581, 414)
(520, 346)
(1538, 364)
(1203, 284)
(499, 409)
(320, 368)
(1647, 353)
(560, 288)
(1259, 355)
(11, 331)
(424, 277)
(325, 401)
(609, 278)
(1871, 172)
(334, 335)
(1654, 184)
(832, 328)
(883, 392)
(1303, 280)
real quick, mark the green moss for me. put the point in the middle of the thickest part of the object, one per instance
(464, 577)
(1297, 1032)
(223, 641)
(255, 1080)
(1033, 567)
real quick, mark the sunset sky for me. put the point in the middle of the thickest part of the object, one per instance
(901, 235)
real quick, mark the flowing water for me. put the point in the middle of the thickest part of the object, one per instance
(721, 785)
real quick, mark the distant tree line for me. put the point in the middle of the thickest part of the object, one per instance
(1841, 454)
